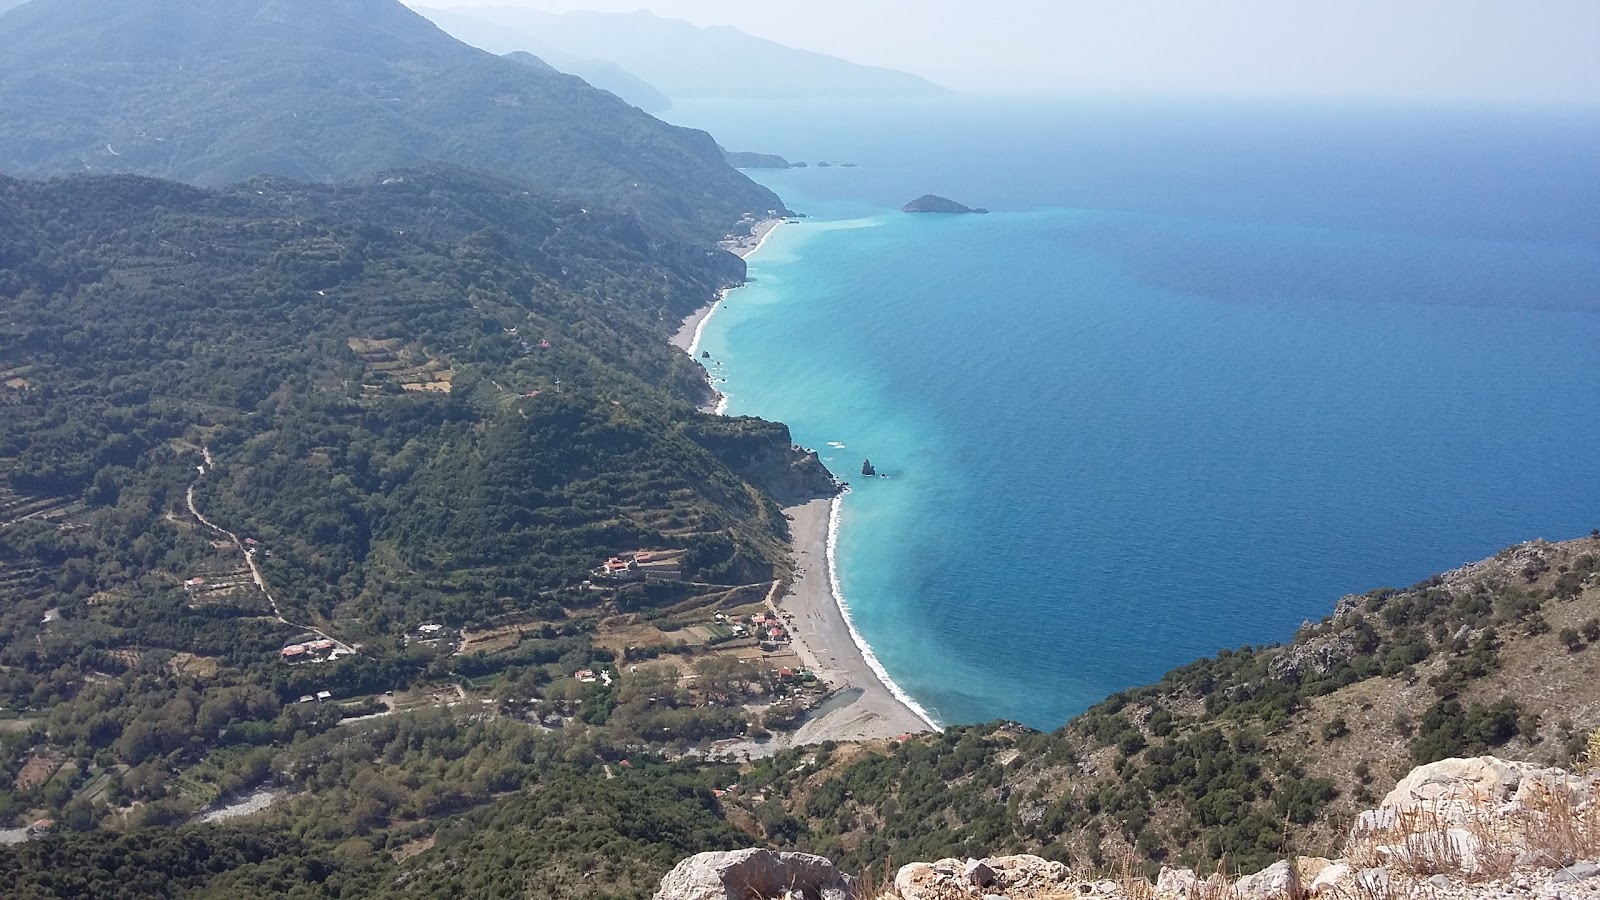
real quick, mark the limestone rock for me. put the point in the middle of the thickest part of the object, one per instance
(978, 873)
(740, 874)
(1176, 882)
(1579, 872)
(1307, 868)
(1278, 881)
(1025, 872)
(925, 881)
(1478, 780)
(1455, 850)
(1332, 881)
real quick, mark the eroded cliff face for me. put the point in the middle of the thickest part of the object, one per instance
(1457, 829)
(764, 454)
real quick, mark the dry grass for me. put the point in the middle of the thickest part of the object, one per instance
(1476, 844)
(1130, 879)
(1560, 830)
(1590, 762)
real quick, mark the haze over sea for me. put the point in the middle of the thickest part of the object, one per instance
(1203, 371)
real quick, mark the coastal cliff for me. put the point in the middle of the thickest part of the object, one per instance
(763, 453)
(1457, 829)
(743, 159)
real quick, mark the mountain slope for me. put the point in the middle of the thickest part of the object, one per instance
(435, 395)
(215, 91)
(679, 59)
(1249, 755)
(606, 76)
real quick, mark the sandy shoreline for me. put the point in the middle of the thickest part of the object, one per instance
(823, 641)
(688, 333)
(822, 637)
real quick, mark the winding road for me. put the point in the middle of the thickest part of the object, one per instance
(250, 560)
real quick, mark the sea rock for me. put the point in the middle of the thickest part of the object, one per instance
(933, 203)
(1276, 881)
(740, 874)
(867, 469)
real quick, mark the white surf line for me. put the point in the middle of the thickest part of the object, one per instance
(722, 295)
(700, 326)
(873, 663)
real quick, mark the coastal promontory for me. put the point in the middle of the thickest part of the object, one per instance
(933, 203)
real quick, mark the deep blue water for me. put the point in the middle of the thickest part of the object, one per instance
(1203, 371)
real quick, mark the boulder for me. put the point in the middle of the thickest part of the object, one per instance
(1453, 850)
(1025, 872)
(1278, 881)
(740, 874)
(1480, 780)
(1176, 882)
(978, 873)
(1021, 875)
(929, 881)
(1309, 867)
(1332, 881)
(1578, 872)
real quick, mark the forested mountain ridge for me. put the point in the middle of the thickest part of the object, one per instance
(677, 58)
(214, 91)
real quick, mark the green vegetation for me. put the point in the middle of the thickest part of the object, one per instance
(214, 91)
(1245, 757)
(273, 328)
(392, 426)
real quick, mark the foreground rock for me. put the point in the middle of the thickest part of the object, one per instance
(743, 874)
(1008, 876)
(1458, 829)
(933, 203)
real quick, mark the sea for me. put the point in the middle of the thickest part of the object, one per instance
(1205, 368)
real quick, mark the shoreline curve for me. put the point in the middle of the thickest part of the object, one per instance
(823, 629)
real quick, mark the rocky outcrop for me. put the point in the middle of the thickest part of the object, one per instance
(933, 203)
(1009, 876)
(1458, 829)
(1480, 816)
(743, 874)
(1277, 880)
(763, 453)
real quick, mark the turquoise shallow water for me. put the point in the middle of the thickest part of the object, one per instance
(1122, 434)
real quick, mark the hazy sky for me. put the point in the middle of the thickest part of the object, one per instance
(1518, 50)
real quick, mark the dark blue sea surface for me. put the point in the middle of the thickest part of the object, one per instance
(1202, 371)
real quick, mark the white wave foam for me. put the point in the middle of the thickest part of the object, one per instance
(873, 662)
(700, 327)
(722, 296)
(837, 445)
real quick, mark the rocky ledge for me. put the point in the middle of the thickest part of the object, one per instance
(933, 203)
(1458, 829)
